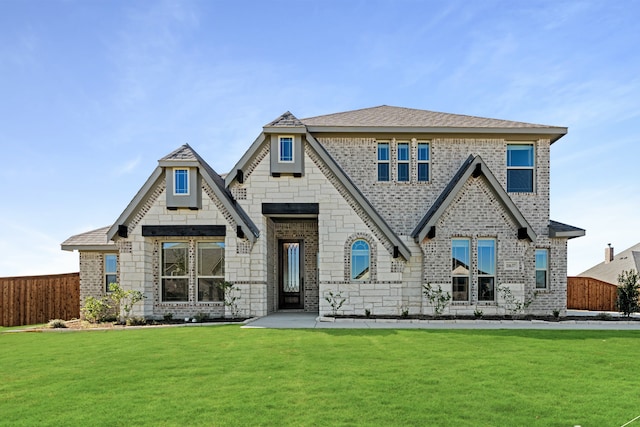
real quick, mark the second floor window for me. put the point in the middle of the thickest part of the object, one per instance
(285, 148)
(403, 162)
(520, 168)
(383, 161)
(181, 181)
(423, 162)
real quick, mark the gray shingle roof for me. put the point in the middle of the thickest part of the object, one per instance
(608, 272)
(388, 116)
(286, 120)
(185, 152)
(558, 229)
(91, 240)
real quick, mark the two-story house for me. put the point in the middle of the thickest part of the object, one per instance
(371, 204)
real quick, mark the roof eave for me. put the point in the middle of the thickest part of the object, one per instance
(283, 130)
(554, 133)
(107, 247)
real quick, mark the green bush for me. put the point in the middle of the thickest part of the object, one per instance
(56, 324)
(136, 321)
(96, 310)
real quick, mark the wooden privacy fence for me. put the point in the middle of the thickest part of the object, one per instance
(585, 293)
(38, 299)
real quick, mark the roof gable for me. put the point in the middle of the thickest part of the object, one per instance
(472, 167)
(608, 272)
(187, 156)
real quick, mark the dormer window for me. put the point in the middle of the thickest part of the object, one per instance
(285, 149)
(181, 181)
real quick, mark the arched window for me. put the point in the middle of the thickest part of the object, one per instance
(360, 256)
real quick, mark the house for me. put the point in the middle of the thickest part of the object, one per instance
(613, 265)
(370, 204)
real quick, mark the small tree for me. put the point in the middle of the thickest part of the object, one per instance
(335, 301)
(628, 292)
(512, 304)
(230, 297)
(124, 300)
(438, 298)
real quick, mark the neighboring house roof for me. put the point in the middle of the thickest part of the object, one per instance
(186, 156)
(396, 119)
(473, 166)
(95, 240)
(628, 259)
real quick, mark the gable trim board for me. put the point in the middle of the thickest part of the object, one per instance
(473, 167)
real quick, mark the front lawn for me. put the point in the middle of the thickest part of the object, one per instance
(224, 375)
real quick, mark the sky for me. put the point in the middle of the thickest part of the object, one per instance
(93, 93)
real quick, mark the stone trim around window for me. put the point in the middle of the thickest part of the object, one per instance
(373, 257)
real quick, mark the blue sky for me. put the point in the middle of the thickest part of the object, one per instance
(93, 93)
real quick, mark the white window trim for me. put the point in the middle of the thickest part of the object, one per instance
(532, 168)
(419, 162)
(175, 193)
(353, 279)
(293, 147)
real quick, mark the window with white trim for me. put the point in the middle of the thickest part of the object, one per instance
(110, 271)
(181, 181)
(542, 268)
(285, 149)
(423, 162)
(403, 162)
(460, 269)
(486, 269)
(520, 166)
(383, 161)
(210, 261)
(360, 260)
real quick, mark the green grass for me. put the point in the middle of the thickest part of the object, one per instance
(224, 375)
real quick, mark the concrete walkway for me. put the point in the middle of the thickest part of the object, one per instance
(299, 320)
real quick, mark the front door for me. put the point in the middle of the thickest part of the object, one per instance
(290, 274)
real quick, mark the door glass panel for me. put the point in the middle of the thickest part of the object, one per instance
(291, 270)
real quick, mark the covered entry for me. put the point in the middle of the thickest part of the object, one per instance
(292, 254)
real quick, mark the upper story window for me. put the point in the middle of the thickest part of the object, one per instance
(360, 260)
(285, 149)
(520, 168)
(403, 162)
(542, 268)
(486, 269)
(423, 162)
(181, 181)
(383, 161)
(460, 269)
(110, 270)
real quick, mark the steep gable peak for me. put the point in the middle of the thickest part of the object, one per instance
(286, 120)
(184, 152)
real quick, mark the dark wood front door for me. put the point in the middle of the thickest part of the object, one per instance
(291, 274)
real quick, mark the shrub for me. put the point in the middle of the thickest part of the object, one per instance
(96, 310)
(201, 317)
(136, 321)
(335, 301)
(477, 313)
(168, 317)
(438, 298)
(124, 299)
(628, 292)
(56, 324)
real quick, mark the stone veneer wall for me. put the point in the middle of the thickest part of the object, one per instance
(92, 277)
